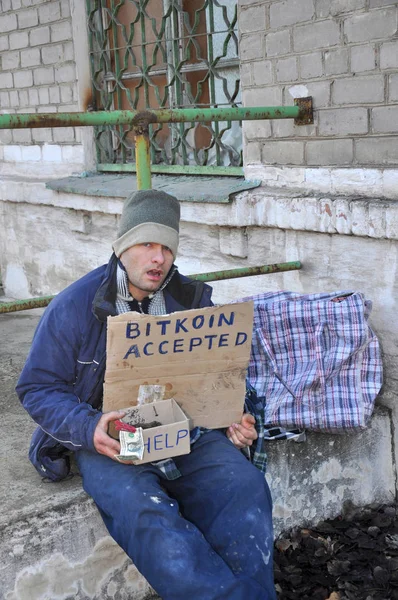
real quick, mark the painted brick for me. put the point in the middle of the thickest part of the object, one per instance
(336, 61)
(282, 153)
(6, 80)
(290, 12)
(68, 108)
(31, 153)
(65, 8)
(358, 90)
(8, 23)
(72, 154)
(316, 35)
(251, 153)
(4, 100)
(251, 46)
(257, 129)
(322, 8)
(6, 5)
(47, 109)
(252, 19)
(28, 18)
(30, 58)
(393, 88)
(311, 65)
(14, 98)
(43, 75)
(385, 119)
(42, 135)
(54, 95)
(389, 55)
(329, 152)
(12, 153)
(9, 61)
(23, 79)
(49, 12)
(69, 53)
(23, 98)
(63, 134)
(277, 42)
(287, 128)
(363, 58)
(246, 78)
(371, 151)
(377, 3)
(44, 96)
(343, 121)
(61, 31)
(52, 54)
(33, 97)
(51, 153)
(378, 24)
(267, 96)
(65, 73)
(286, 69)
(338, 7)
(16, 4)
(233, 241)
(39, 36)
(262, 72)
(282, 128)
(22, 136)
(5, 136)
(4, 44)
(19, 40)
(30, 110)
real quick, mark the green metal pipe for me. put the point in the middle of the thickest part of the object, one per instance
(143, 161)
(17, 305)
(247, 271)
(135, 118)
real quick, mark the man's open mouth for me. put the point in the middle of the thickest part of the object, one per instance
(155, 273)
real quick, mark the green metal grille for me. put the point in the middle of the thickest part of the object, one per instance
(166, 54)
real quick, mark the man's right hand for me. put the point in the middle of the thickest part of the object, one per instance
(104, 443)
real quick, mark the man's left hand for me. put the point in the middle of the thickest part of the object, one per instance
(244, 433)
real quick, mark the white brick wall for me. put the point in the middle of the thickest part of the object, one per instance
(344, 53)
(37, 74)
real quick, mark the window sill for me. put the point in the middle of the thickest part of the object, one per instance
(187, 188)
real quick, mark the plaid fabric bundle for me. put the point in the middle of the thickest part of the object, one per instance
(315, 360)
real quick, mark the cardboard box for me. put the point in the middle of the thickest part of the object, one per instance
(169, 439)
(200, 356)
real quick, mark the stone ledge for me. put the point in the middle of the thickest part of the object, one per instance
(185, 188)
(290, 209)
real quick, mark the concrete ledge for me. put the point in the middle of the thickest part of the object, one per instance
(311, 481)
(260, 207)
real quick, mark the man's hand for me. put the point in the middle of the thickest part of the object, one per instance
(104, 443)
(244, 433)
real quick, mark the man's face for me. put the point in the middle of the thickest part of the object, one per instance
(147, 266)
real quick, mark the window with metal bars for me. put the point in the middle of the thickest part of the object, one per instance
(148, 54)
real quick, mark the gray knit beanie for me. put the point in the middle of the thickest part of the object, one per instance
(149, 216)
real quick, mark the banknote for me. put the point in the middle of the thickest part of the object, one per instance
(131, 445)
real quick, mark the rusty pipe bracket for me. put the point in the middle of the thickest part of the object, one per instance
(306, 114)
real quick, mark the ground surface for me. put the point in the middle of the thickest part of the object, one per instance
(19, 489)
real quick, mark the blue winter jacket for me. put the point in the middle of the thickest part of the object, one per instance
(61, 384)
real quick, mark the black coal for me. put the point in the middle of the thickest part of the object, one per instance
(352, 557)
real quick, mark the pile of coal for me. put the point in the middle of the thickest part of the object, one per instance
(352, 557)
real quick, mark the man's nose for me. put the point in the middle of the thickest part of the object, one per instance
(158, 256)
